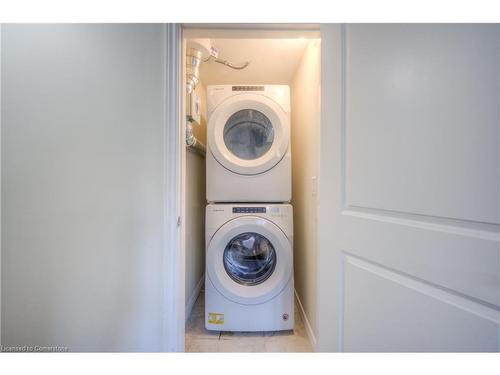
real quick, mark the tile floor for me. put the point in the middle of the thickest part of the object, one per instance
(198, 339)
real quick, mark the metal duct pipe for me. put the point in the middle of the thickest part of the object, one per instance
(198, 51)
(194, 143)
(194, 58)
(201, 50)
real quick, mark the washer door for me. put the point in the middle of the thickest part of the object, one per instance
(249, 260)
(249, 134)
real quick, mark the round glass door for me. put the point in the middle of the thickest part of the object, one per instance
(248, 134)
(249, 258)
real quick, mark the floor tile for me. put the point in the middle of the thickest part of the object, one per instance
(201, 345)
(199, 339)
(242, 345)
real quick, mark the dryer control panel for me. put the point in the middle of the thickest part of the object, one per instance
(249, 210)
(248, 88)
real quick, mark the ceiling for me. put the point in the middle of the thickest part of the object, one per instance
(272, 61)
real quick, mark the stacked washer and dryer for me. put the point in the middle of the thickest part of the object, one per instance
(249, 221)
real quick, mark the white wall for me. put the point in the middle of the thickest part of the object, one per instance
(305, 99)
(82, 177)
(200, 130)
(195, 211)
(195, 227)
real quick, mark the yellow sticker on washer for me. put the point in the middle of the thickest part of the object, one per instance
(215, 318)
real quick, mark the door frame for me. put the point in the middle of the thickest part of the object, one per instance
(329, 323)
(0, 183)
(174, 262)
(173, 208)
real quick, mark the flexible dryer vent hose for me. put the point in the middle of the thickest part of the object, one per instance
(232, 65)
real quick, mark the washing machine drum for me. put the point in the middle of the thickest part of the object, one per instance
(249, 134)
(249, 260)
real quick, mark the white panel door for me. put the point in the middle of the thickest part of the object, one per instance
(410, 188)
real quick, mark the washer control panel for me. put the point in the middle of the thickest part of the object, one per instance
(249, 210)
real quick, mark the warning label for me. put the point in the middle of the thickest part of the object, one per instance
(215, 318)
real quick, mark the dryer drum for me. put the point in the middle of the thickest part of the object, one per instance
(248, 134)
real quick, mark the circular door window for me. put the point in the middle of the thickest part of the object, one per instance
(248, 134)
(249, 258)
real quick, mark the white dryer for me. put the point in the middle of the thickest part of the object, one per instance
(248, 133)
(249, 267)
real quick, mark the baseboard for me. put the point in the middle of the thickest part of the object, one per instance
(309, 330)
(194, 296)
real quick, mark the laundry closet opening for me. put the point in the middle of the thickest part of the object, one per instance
(250, 177)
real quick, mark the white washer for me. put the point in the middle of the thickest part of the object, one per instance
(248, 132)
(249, 267)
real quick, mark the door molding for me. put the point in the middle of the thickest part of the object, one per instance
(173, 259)
(329, 259)
(0, 184)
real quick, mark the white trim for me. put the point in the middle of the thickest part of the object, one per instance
(194, 296)
(0, 184)
(173, 259)
(329, 262)
(309, 330)
(182, 181)
(251, 30)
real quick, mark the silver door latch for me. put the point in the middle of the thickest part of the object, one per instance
(178, 221)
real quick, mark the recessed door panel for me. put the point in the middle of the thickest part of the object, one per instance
(388, 311)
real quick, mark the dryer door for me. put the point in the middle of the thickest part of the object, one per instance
(249, 134)
(249, 260)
